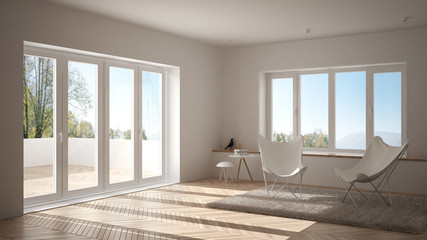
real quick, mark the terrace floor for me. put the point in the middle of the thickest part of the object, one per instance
(39, 180)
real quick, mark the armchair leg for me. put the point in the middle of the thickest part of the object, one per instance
(300, 184)
(348, 192)
(285, 185)
(265, 181)
(378, 192)
(389, 195)
(381, 185)
(272, 187)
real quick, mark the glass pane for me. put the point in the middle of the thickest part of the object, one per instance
(121, 122)
(151, 124)
(39, 126)
(282, 109)
(82, 142)
(350, 110)
(314, 110)
(388, 107)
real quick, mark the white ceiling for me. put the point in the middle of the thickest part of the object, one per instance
(244, 22)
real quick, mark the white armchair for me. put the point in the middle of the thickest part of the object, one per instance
(380, 159)
(282, 160)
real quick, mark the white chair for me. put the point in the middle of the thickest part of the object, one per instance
(380, 159)
(224, 172)
(282, 160)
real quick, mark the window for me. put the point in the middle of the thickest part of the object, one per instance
(91, 123)
(82, 125)
(388, 107)
(151, 124)
(350, 110)
(282, 105)
(338, 109)
(121, 124)
(314, 105)
(39, 125)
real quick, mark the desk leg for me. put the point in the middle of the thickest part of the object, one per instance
(238, 170)
(244, 160)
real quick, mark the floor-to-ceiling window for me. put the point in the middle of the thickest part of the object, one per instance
(82, 124)
(121, 124)
(39, 125)
(151, 112)
(90, 124)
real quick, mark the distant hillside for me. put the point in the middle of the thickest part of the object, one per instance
(357, 140)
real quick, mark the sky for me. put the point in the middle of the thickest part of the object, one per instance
(151, 104)
(350, 104)
(121, 99)
(314, 103)
(90, 73)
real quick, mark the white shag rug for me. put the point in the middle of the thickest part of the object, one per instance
(407, 214)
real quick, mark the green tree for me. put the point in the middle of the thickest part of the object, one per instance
(317, 139)
(118, 134)
(282, 137)
(38, 96)
(127, 134)
(79, 129)
(86, 130)
(144, 136)
(78, 93)
(115, 134)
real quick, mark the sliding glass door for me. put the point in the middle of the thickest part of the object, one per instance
(82, 125)
(39, 124)
(60, 122)
(151, 112)
(121, 125)
(89, 125)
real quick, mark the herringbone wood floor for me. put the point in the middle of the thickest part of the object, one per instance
(176, 212)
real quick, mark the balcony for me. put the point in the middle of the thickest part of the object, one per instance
(39, 155)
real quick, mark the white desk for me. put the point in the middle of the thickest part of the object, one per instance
(242, 158)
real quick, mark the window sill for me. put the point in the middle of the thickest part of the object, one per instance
(328, 154)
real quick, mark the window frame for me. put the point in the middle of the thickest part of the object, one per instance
(99, 114)
(162, 71)
(62, 57)
(269, 96)
(58, 85)
(331, 71)
(134, 67)
(388, 69)
(367, 103)
(298, 108)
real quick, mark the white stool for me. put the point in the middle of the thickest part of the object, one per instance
(224, 170)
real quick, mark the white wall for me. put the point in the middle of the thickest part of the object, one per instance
(243, 65)
(219, 88)
(38, 21)
(242, 92)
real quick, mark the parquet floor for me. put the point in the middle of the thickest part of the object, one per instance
(176, 212)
